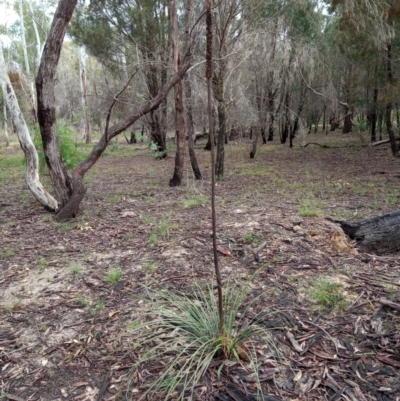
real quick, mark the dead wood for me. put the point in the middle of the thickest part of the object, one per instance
(379, 235)
(391, 304)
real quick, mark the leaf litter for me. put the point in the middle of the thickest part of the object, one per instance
(65, 330)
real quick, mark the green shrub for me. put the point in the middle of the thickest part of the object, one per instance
(70, 153)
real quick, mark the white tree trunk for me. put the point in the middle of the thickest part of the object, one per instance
(5, 127)
(32, 161)
(27, 67)
(38, 43)
(85, 122)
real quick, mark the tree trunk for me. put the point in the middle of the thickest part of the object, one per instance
(35, 28)
(373, 115)
(219, 168)
(380, 124)
(5, 126)
(297, 118)
(324, 119)
(157, 135)
(255, 142)
(271, 119)
(347, 124)
(71, 208)
(388, 113)
(31, 157)
(180, 135)
(61, 181)
(285, 123)
(85, 121)
(379, 235)
(190, 128)
(27, 67)
(132, 139)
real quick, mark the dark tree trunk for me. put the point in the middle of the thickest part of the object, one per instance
(379, 235)
(157, 135)
(62, 183)
(295, 127)
(324, 119)
(218, 87)
(255, 142)
(373, 115)
(190, 128)
(380, 123)
(180, 135)
(271, 111)
(285, 124)
(333, 123)
(133, 140)
(219, 166)
(264, 137)
(208, 144)
(397, 116)
(388, 111)
(271, 130)
(347, 124)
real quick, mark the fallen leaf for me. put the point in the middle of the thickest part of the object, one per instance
(111, 314)
(80, 384)
(224, 251)
(128, 213)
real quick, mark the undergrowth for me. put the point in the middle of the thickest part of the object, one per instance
(182, 332)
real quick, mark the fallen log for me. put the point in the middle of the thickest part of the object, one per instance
(379, 235)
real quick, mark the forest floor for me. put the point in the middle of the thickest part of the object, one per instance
(70, 292)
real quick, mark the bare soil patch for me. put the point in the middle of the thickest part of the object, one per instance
(65, 327)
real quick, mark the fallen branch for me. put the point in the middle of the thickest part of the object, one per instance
(391, 304)
(257, 250)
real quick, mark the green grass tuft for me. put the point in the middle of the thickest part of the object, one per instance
(327, 294)
(183, 335)
(113, 276)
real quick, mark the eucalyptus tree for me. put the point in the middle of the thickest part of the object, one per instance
(31, 156)
(136, 31)
(375, 22)
(70, 190)
(229, 22)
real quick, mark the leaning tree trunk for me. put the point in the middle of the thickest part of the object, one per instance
(176, 179)
(190, 128)
(379, 235)
(31, 157)
(61, 181)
